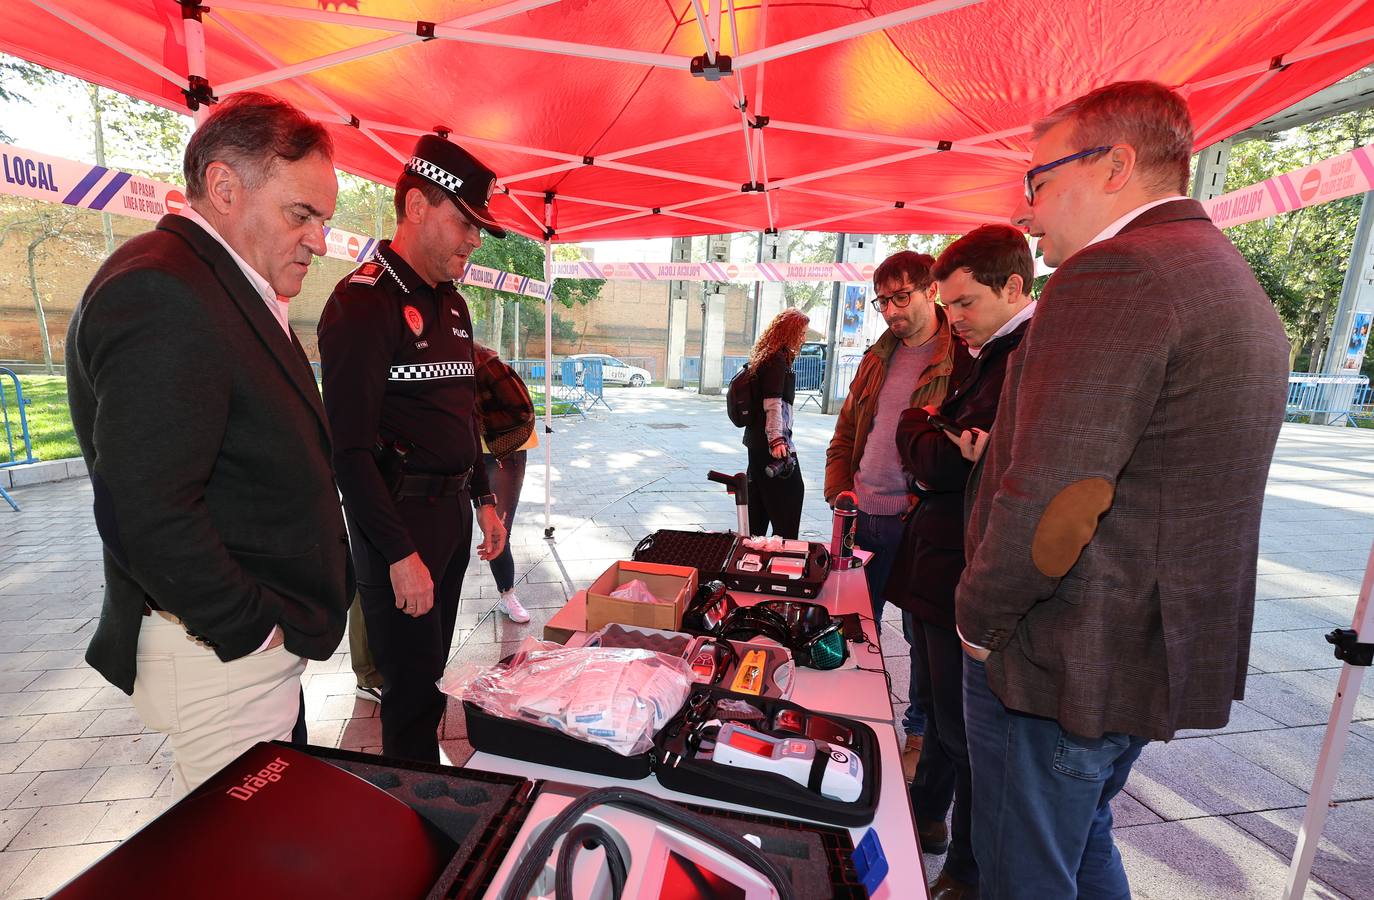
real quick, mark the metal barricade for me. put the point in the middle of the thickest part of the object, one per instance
(1362, 408)
(12, 395)
(844, 375)
(1322, 399)
(729, 368)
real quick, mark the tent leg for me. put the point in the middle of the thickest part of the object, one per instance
(195, 60)
(548, 391)
(1333, 748)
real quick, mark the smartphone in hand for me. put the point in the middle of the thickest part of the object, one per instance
(946, 424)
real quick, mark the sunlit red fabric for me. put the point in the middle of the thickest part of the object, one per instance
(986, 68)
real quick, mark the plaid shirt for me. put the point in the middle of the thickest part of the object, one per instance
(503, 404)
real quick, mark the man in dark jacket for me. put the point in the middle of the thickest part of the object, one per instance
(225, 558)
(983, 279)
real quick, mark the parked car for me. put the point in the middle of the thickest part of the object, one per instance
(613, 371)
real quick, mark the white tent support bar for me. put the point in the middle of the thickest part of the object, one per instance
(562, 48)
(845, 32)
(620, 154)
(352, 54)
(1299, 55)
(763, 167)
(733, 226)
(664, 173)
(564, 198)
(709, 30)
(600, 222)
(244, 38)
(686, 204)
(540, 173)
(669, 142)
(466, 139)
(114, 43)
(804, 226)
(969, 192)
(920, 207)
(539, 226)
(957, 147)
(853, 167)
(1264, 79)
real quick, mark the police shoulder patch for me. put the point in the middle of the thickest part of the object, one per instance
(367, 273)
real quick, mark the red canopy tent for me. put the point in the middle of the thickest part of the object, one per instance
(851, 115)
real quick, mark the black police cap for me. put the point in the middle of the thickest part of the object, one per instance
(463, 177)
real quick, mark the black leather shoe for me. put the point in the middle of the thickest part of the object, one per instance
(934, 836)
(947, 888)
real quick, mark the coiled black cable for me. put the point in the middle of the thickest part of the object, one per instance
(587, 835)
(527, 872)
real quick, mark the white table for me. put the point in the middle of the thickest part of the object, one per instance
(893, 820)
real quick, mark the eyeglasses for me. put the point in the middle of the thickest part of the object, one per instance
(900, 299)
(1031, 173)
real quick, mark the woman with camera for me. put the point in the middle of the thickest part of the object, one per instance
(775, 480)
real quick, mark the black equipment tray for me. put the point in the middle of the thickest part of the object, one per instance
(775, 793)
(705, 551)
(808, 586)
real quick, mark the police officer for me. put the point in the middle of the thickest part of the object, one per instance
(396, 355)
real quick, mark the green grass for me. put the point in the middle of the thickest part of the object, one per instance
(50, 423)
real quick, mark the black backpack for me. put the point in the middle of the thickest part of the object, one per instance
(739, 398)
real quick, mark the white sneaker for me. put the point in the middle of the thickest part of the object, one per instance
(512, 608)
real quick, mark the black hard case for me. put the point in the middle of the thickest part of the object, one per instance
(775, 793)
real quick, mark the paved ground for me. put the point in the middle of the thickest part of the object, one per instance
(1210, 815)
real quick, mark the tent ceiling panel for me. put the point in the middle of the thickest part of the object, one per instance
(536, 85)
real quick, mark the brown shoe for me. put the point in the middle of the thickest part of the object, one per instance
(934, 836)
(947, 888)
(911, 755)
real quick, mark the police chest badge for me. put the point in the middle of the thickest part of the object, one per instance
(414, 320)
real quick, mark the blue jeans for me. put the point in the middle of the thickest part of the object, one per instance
(1042, 815)
(882, 536)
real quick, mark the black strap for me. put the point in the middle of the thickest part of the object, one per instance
(818, 764)
(422, 485)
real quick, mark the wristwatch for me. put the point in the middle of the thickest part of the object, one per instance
(484, 500)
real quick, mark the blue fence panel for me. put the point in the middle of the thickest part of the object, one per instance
(12, 395)
(1332, 396)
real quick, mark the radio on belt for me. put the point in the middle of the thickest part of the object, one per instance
(791, 757)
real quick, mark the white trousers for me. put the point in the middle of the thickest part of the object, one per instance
(210, 710)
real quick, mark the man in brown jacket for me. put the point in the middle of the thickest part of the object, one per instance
(908, 366)
(1114, 532)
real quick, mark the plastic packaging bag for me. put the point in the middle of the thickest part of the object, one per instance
(617, 698)
(635, 590)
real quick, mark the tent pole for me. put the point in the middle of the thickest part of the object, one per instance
(194, 30)
(548, 389)
(1333, 747)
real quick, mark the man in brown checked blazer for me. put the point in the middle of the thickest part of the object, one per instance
(1114, 526)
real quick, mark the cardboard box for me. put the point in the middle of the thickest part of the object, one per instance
(674, 585)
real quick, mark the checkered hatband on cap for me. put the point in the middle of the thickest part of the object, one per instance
(435, 174)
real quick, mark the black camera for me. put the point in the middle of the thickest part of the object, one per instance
(781, 468)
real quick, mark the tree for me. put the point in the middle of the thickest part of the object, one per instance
(52, 223)
(1300, 257)
(523, 256)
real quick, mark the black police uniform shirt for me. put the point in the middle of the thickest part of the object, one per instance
(396, 362)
